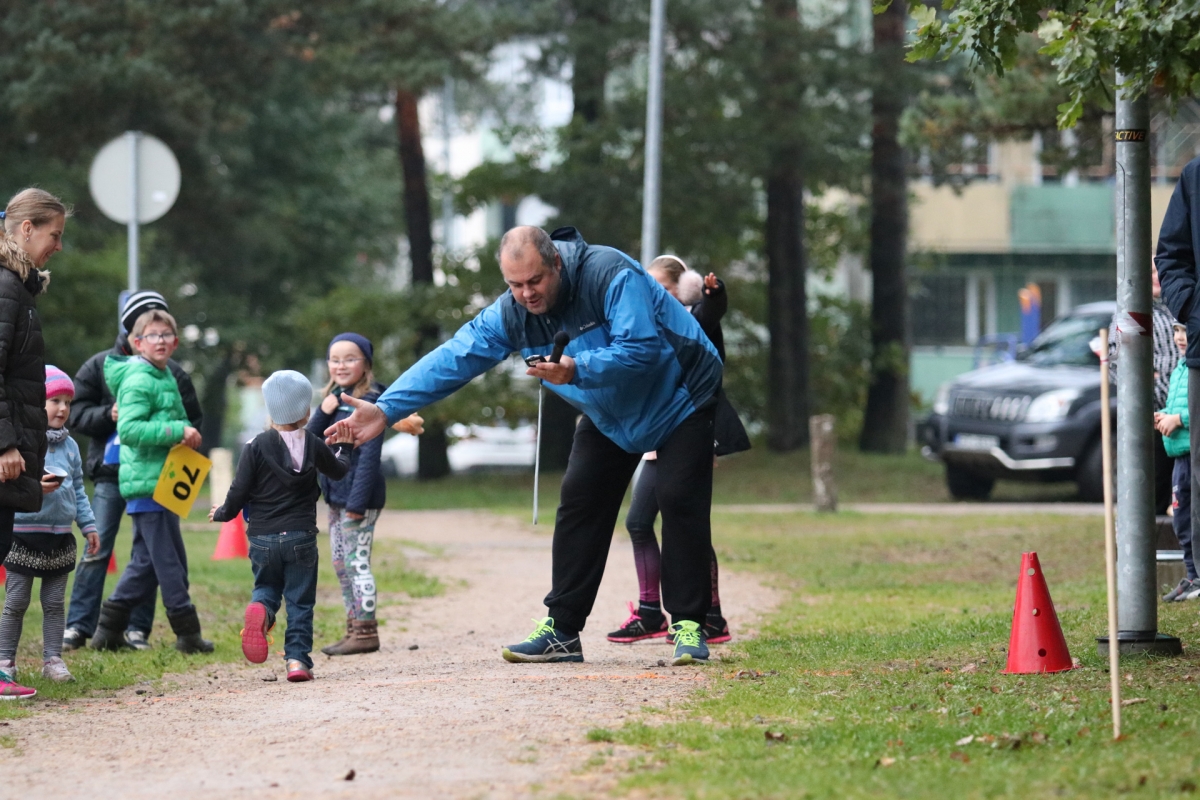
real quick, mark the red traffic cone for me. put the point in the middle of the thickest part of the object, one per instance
(232, 541)
(112, 564)
(1036, 643)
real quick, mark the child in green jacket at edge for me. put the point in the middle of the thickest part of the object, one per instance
(1172, 423)
(152, 421)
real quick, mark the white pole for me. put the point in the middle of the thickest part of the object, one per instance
(447, 197)
(652, 177)
(1110, 539)
(132, 137)
(537, 453)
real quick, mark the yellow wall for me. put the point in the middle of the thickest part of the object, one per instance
(975, 220)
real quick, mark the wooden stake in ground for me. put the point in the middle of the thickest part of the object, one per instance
(1110, 538)
(824, 443)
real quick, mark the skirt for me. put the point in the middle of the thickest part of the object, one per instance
(41, 555)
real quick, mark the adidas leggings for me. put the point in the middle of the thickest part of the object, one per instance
(18, 591)
(643, 511)
(350, 541)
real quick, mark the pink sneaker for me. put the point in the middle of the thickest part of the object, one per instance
(297, 672)
(12, 691)
(255, 644)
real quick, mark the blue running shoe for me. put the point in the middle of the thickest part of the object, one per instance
(689, 644)
(545, 644)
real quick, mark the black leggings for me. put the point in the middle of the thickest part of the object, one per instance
(643, 511)
(593, 487)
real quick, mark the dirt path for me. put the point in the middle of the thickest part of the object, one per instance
(449, 719)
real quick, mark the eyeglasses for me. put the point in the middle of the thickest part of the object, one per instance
(345, 362)
(157, 338)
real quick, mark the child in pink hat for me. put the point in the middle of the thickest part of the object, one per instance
(43, 541)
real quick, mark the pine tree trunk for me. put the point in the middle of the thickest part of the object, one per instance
(885, 421)
(787, 307)
(432, 460)
(589, 73)
(787, 316)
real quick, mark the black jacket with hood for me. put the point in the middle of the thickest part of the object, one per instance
(91, 411)
(280, 498)
(22, 386)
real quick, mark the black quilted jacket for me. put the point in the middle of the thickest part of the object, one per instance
(22, 387)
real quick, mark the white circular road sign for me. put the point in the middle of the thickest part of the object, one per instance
(112, 174)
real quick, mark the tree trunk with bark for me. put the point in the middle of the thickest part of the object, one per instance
(787, 302)
(432, 460)
(787, 315)
(589, 73)
(885, 421)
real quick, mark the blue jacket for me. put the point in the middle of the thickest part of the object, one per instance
(1178, 255)
(642, 364)
(66, 504)
(363, 488)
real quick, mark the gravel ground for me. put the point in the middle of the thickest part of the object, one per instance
(435, 713)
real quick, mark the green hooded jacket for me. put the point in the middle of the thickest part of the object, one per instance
(150, 420)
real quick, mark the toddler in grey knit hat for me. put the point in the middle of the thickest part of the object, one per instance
(288, 396)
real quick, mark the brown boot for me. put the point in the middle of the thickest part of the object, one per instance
(364, 638)
(335, 648)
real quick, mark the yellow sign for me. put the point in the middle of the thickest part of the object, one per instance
(182, 476)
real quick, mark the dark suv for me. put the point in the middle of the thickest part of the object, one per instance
(1033, 419)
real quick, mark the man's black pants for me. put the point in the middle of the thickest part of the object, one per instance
(593, 487)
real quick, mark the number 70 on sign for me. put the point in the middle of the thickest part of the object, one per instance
(182, 475)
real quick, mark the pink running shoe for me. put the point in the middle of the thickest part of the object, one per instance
(255, 645)
(636, 628)
(297, 672)
(12, 691)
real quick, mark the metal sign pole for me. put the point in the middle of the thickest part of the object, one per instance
(1137, 600)
(132, 137)
(652, 179)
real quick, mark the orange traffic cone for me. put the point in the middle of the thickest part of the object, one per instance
(1036, 643)
(112, 564)
(232, 541)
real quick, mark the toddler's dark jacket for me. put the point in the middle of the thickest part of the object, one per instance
(280, 498)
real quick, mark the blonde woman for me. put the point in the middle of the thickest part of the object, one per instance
(33, 230)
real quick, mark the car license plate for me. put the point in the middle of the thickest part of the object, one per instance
(975, 441)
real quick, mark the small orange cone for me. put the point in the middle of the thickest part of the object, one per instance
(112, 564)
(232, 541)
(1036, 643)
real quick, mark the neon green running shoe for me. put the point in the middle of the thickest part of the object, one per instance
(690, 647)
(545, 644)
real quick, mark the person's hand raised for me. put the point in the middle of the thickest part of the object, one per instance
(330, 403)
(413, 424)
(367, 422)
(710, 283)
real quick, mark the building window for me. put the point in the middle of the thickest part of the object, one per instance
(938, 305)
(1092, 289)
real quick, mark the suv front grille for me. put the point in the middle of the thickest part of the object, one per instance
(974, 405)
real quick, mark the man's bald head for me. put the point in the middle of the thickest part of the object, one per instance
(518, 239)
(531, 267)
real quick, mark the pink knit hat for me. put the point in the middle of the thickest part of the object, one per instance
(58, 382)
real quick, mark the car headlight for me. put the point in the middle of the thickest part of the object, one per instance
(1051, 406)
(941, 401)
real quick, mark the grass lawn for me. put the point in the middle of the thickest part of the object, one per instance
(885, 660)
(220, 590)
(758, 476)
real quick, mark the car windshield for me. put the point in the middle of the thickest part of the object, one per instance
(1067, 342)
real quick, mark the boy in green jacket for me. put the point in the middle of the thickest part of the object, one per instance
(151, 422)
(1172, 423)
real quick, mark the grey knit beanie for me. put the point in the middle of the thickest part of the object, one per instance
(288, 396)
